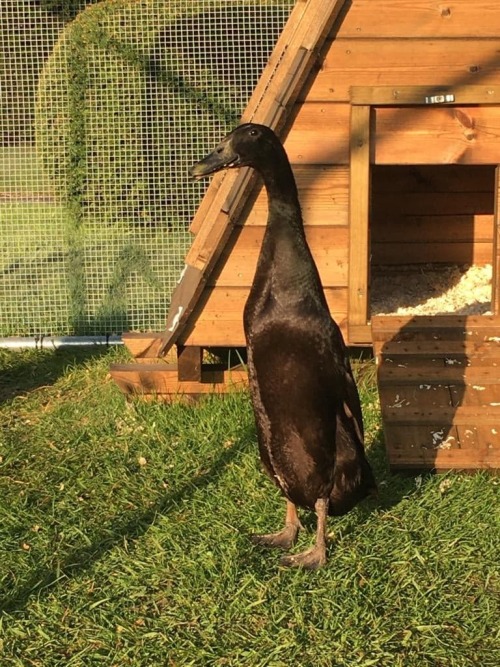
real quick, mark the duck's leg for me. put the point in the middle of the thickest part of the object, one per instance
(316, 556)
(286, 538)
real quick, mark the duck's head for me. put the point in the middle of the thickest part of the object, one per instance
(249, 145)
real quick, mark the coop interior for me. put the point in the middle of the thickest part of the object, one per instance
(431, 239)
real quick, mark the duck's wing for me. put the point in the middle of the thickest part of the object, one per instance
(352, 403)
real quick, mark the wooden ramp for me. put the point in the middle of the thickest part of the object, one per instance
(439, 387)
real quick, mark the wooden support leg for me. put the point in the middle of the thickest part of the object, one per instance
(189, 363)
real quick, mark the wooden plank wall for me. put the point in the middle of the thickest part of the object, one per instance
(324, 192)
(439, 390)
(400, 42)
(375, 43)
(437, 214)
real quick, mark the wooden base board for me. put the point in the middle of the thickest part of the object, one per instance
(160, 381)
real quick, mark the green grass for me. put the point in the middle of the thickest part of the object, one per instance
(124, 540)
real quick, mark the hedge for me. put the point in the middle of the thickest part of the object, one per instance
(123, 103)
(65, 8)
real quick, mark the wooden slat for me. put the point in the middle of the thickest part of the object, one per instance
(271, 102)
(419, 253)
(423, 361)
(403, 18)
(445, 348)
(404, 228)
(450, 178)
(323, 195)
(463, 135)
(484, 458)
(414, 398)
(307, 143)
(416, 457)
(482, 431)
(411, 360)
(161, 380)
(449, 375)
(453, 415)
(219, 320)
(405, 327)
(481, 397)
(238, 262)
(359, 213)
(416, 95)
(399, 204)
(400, 63)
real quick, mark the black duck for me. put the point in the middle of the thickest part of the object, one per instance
(306, 404)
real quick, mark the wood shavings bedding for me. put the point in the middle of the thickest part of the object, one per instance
(431, 289)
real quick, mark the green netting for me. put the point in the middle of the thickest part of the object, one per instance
(100, 118)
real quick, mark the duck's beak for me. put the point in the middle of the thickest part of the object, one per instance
(222, 157)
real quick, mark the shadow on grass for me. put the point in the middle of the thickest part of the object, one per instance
(43, 580)
(26, 370)
(392, 486)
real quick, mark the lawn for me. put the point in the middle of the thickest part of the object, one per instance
(125, 540)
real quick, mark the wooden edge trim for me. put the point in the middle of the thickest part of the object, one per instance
(359, 202)
(424, 95)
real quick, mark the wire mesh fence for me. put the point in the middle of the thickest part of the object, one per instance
(101, 115)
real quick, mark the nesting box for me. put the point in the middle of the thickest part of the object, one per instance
(390, 116)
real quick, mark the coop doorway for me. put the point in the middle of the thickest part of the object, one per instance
(432, 230)
(424, 204)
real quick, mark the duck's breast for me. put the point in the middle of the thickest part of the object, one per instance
(296, 393)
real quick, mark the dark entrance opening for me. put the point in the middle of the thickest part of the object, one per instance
(432, 231)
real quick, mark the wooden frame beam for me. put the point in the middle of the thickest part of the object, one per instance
(359, 230)
(495, 279)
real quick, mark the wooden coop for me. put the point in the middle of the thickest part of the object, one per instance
(390, 114)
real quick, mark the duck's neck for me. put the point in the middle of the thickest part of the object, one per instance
(283, 200)
(285, 267)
